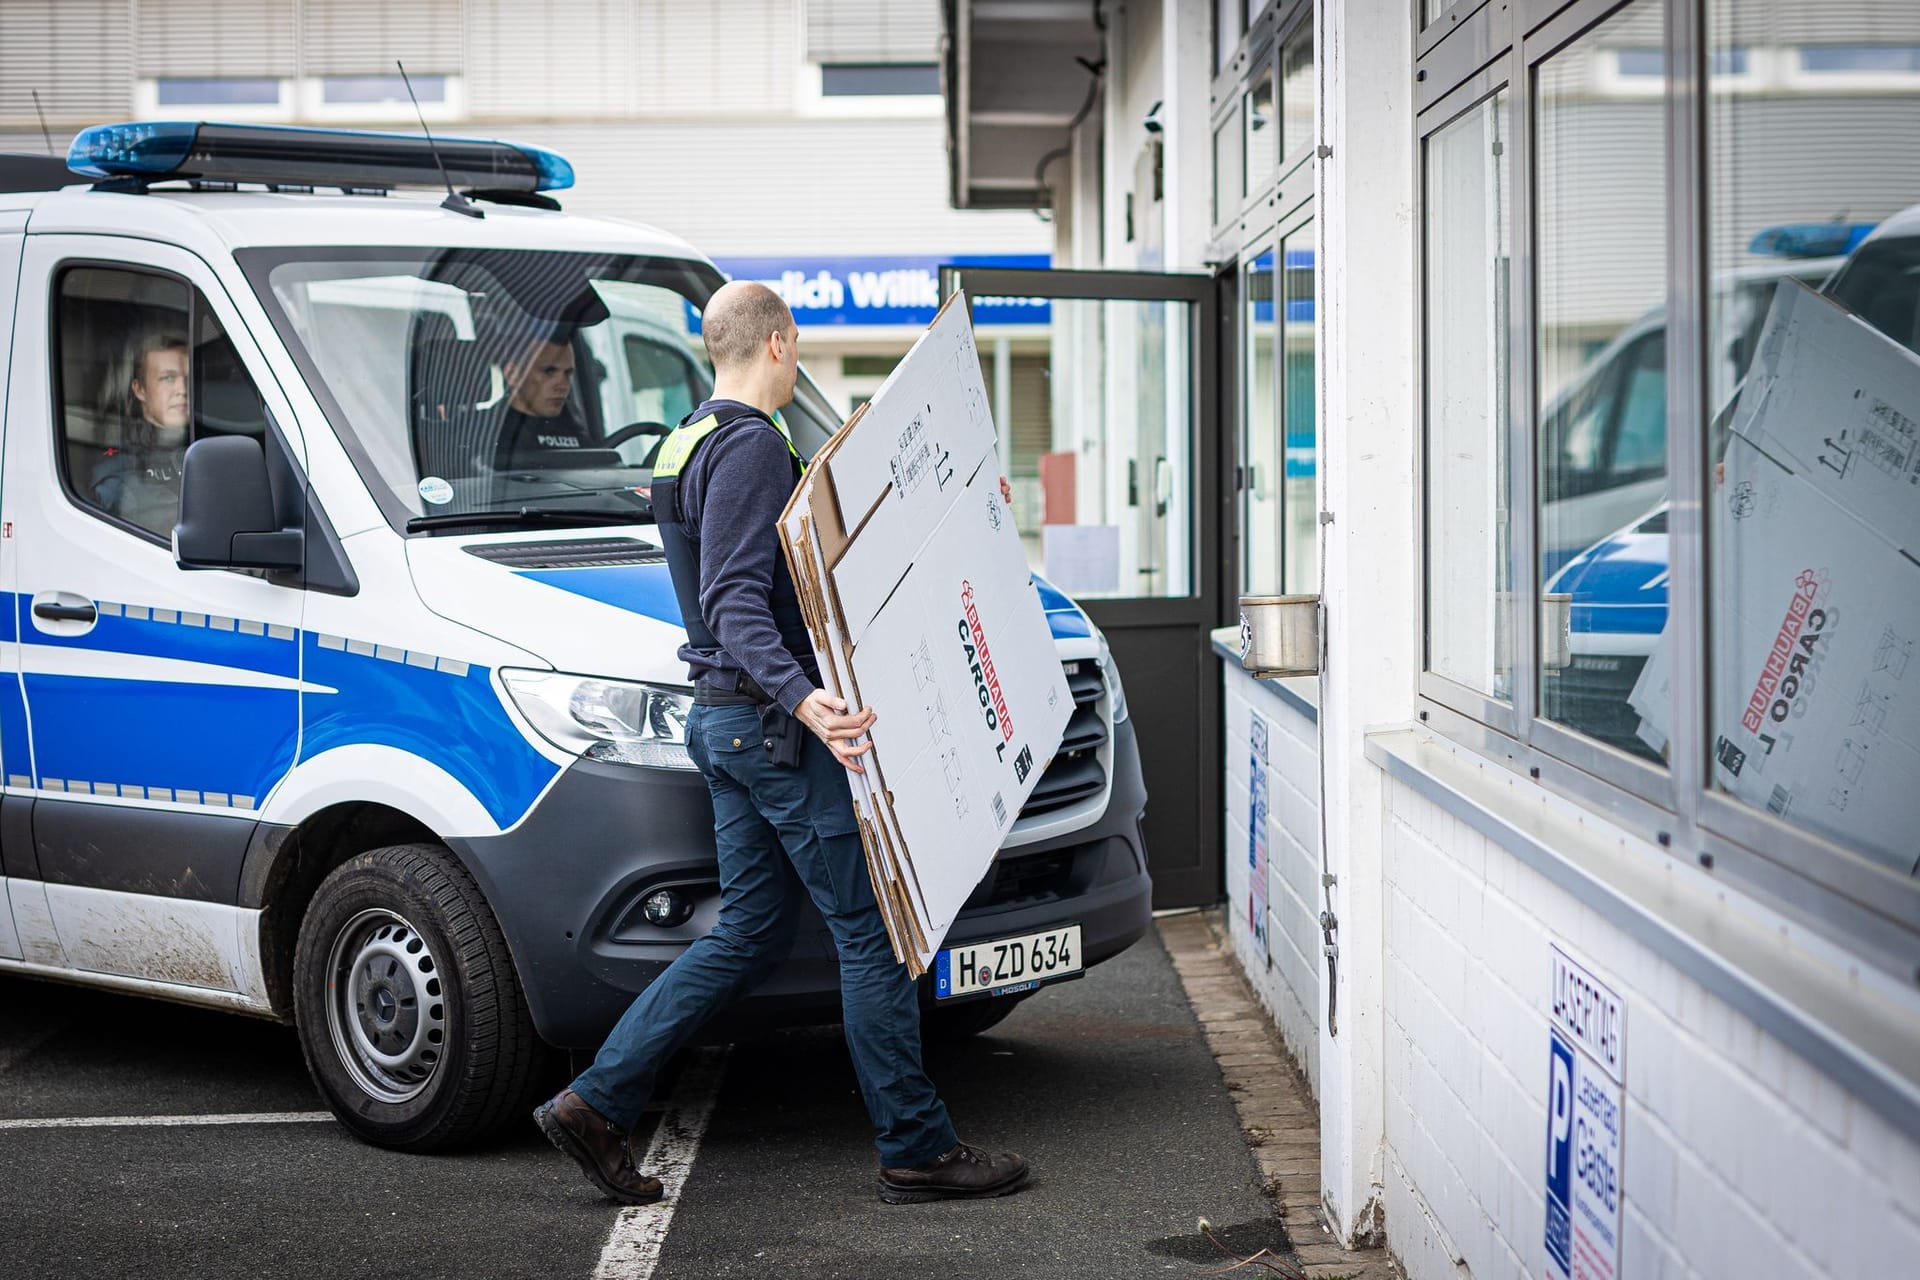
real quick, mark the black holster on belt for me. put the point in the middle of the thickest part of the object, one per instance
(782, 734)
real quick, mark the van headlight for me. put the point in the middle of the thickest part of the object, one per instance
(614, 720)
(1112, 671)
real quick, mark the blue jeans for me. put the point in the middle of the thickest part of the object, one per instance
(760, 809)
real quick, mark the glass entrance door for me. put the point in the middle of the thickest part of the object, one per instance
(1109, 446)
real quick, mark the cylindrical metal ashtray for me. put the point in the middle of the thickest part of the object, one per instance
(1280, 635)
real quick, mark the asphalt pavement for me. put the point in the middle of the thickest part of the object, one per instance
(1104, 1083)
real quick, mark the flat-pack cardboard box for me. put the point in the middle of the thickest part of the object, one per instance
(920, 605)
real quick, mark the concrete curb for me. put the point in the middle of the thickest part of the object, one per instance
(1277, 1113)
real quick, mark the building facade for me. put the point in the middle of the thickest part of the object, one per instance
(1567, 351)
(791, 140)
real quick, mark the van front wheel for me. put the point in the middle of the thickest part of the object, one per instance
(409, 1013)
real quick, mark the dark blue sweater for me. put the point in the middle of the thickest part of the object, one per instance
(731, 496)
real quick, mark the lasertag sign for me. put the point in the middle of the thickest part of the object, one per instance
(1584, 1123)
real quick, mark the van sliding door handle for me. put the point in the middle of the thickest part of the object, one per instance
(64, 612)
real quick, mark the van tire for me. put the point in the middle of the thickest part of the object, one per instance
(431, 1045)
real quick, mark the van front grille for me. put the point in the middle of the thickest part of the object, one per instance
(1079, 769)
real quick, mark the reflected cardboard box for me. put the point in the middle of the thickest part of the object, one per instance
(1817, 701)
(1837, 403)
(919, 604)
(1815, 587)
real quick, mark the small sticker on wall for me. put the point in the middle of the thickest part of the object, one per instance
(1257, 837)
(436, 491)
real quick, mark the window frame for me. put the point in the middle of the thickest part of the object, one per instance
(1297, 220)
(56, 378)
(1468, 53)
(1267, 242)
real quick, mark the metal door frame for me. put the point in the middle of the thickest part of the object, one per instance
(1207, 603)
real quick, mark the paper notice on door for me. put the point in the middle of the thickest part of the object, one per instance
(1082, 559)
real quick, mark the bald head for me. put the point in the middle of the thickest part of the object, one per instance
(739, 319)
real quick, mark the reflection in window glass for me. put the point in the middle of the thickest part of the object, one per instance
(1296, 91)
(1259, 432)
(1601, 203)
(1468, 253)
(1813, 665)
(1299, 503)
(1262, 135)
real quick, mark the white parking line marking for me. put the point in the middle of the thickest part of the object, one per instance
(116, 1122)
(633, 1246)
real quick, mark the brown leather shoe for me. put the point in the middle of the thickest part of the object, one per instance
(589, 1137)
(964, 1173)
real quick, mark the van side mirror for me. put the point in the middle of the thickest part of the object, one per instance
(226, 510)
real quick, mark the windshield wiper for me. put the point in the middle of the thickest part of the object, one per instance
(530, 517)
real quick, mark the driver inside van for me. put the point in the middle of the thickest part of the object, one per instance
(539, 430)
(138, 478)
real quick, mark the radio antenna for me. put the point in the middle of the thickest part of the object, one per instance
(454, 201)
(44, 131)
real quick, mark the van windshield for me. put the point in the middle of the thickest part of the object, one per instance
(500, 384)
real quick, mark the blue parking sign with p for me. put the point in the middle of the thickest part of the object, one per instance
(1560, 1156)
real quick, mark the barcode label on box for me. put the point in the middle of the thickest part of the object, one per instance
(1777, 802)
(999, 810)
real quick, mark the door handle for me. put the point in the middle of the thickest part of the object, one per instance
(64, 612)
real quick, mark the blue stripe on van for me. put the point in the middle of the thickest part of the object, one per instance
(259, 653)
(16, 758)
(454, 722)
(645, 589)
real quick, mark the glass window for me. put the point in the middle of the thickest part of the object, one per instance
(1259, 431)
(1261, 154)
(1297, 91)
(1229, 179)
(144, 370)
(1468, 253)
(878, 79)
(1229, 24)
(1601, 203)
(379, 90)
(1813, 596)
(221, 92)
(1298, 397)
(1827, 59)
(474, 381)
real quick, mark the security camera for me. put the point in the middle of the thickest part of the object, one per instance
(1152, 122)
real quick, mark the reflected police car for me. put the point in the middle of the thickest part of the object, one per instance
(379, 728)
(1618, 585)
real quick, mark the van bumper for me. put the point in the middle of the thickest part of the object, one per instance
(566, 885)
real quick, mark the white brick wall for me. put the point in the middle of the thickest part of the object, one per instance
(1739, 1158)
(1289, 987)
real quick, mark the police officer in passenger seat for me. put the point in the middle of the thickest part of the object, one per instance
(538, 431)
(138, 478)
(774, 749)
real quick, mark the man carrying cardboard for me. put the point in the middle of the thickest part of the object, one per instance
(779, 793)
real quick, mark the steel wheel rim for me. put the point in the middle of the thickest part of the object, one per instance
(386, 1005)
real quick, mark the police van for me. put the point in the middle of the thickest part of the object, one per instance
(340, 681)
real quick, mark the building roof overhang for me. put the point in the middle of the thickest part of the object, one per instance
(1015, 74)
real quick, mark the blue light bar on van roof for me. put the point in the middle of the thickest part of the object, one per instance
(1810, 239)
(291, 156)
